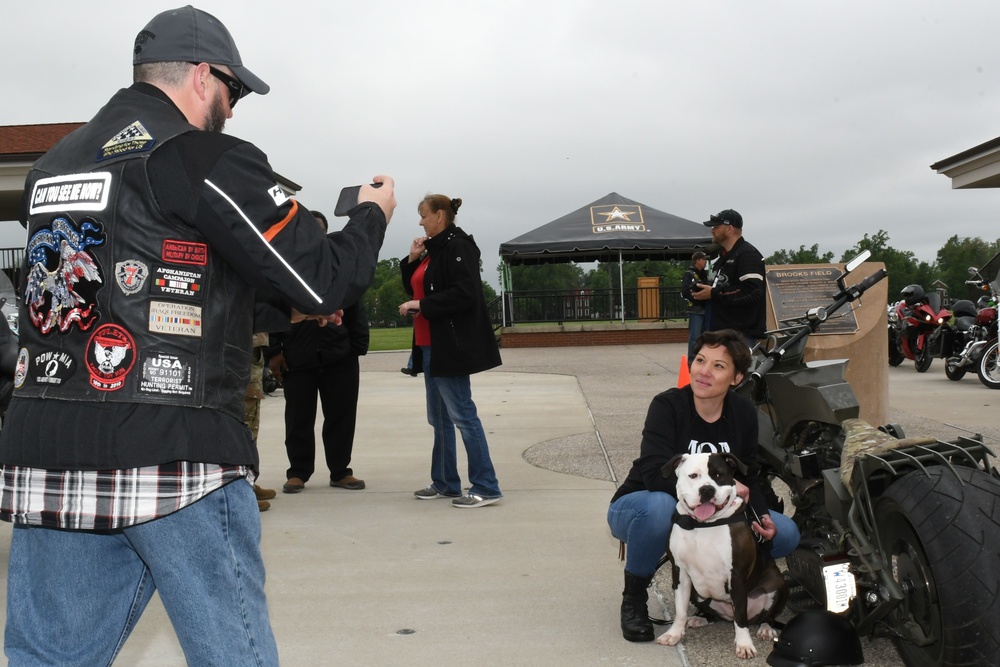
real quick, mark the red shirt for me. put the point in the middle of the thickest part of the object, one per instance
(421, 327)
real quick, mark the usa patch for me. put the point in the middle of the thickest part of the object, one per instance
(167, 374)
(110, 357)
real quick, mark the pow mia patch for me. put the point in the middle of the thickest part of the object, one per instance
(168, 281)
(167, 374)
(131, 275)
(175, 319)
(132, 139)
(110, 357)
(51, 367)
(21, 367)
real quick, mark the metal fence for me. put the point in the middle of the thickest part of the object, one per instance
(585, 305)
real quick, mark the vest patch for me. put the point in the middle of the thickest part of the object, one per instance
(185, 252)
(175, 319)
(64, 278)
(51, 367)
(110, 357)
(21, 367)
(177, 282)
(75, 192)
(132, 139)
(167, 374)
(131, 275)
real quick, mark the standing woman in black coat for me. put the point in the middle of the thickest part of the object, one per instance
(452, 339)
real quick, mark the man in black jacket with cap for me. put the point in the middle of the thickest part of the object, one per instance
(125, 465)
(737, 293)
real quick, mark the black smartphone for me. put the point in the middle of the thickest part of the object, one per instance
(349, 199)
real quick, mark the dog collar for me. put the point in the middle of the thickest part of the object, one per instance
(687, 522)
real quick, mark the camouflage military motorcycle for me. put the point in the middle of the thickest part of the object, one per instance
(899, 535)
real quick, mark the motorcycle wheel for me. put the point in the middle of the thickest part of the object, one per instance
(952, 370)
(938, 529)
(896, 356)
(989, 366)
(922, 361)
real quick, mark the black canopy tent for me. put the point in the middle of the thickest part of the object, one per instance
(611, 228)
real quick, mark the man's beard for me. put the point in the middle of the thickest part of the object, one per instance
(215, 118)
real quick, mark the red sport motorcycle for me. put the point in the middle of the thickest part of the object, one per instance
(920, 315)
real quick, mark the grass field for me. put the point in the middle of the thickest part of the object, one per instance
(395, 338)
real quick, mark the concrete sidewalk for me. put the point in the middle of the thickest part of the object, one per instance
(376, 577)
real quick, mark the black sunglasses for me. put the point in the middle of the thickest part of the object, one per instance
(236, 89)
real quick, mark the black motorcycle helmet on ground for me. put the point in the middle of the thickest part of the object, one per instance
(912, 294)
(817, 638)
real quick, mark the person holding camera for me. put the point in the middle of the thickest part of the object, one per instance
(737, 295)
(452, 338)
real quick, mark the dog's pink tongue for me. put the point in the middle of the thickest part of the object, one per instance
(704, 511)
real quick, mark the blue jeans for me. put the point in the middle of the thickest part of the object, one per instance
(449, 404)
(696, 324)
(642, 520)
(73, 597)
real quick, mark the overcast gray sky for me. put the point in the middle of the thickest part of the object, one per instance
(816, 120)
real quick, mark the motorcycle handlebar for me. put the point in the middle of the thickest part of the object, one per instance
(845, 296)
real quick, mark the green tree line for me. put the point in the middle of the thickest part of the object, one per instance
(950, 267)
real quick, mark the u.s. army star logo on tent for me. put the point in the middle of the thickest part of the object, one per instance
(617, 218)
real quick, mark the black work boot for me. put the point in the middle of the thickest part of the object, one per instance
(636, 626)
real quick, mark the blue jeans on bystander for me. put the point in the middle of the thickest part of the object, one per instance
(449, 404)
(73, 597)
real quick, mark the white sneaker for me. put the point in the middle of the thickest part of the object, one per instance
(474, 500)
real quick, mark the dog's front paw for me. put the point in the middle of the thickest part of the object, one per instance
(744, 644)
(766, 633)
(671, 637)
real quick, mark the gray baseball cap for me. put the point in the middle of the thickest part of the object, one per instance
(190, 35)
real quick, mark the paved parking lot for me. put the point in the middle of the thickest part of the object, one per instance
(376, 577)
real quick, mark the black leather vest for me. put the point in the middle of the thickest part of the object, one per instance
(120, 302)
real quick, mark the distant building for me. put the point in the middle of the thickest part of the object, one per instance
(976, 167)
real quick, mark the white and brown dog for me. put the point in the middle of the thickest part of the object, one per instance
(714, 552)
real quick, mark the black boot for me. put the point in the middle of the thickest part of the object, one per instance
(636, 626)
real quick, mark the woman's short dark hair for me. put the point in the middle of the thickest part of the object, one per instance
(733, 341)
(442, 203)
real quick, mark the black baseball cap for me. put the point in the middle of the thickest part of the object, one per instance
(698, 254)
(190, 35)
(727, 217)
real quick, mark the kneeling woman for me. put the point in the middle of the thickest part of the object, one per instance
(703, 417)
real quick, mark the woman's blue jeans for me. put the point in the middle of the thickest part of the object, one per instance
(73, 597)
(449, 404)
(642, 520)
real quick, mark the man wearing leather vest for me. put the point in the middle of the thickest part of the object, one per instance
(125, 464)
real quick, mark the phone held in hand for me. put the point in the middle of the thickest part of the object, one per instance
(349, 199)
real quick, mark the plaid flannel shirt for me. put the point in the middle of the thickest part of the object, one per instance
(108, 499)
